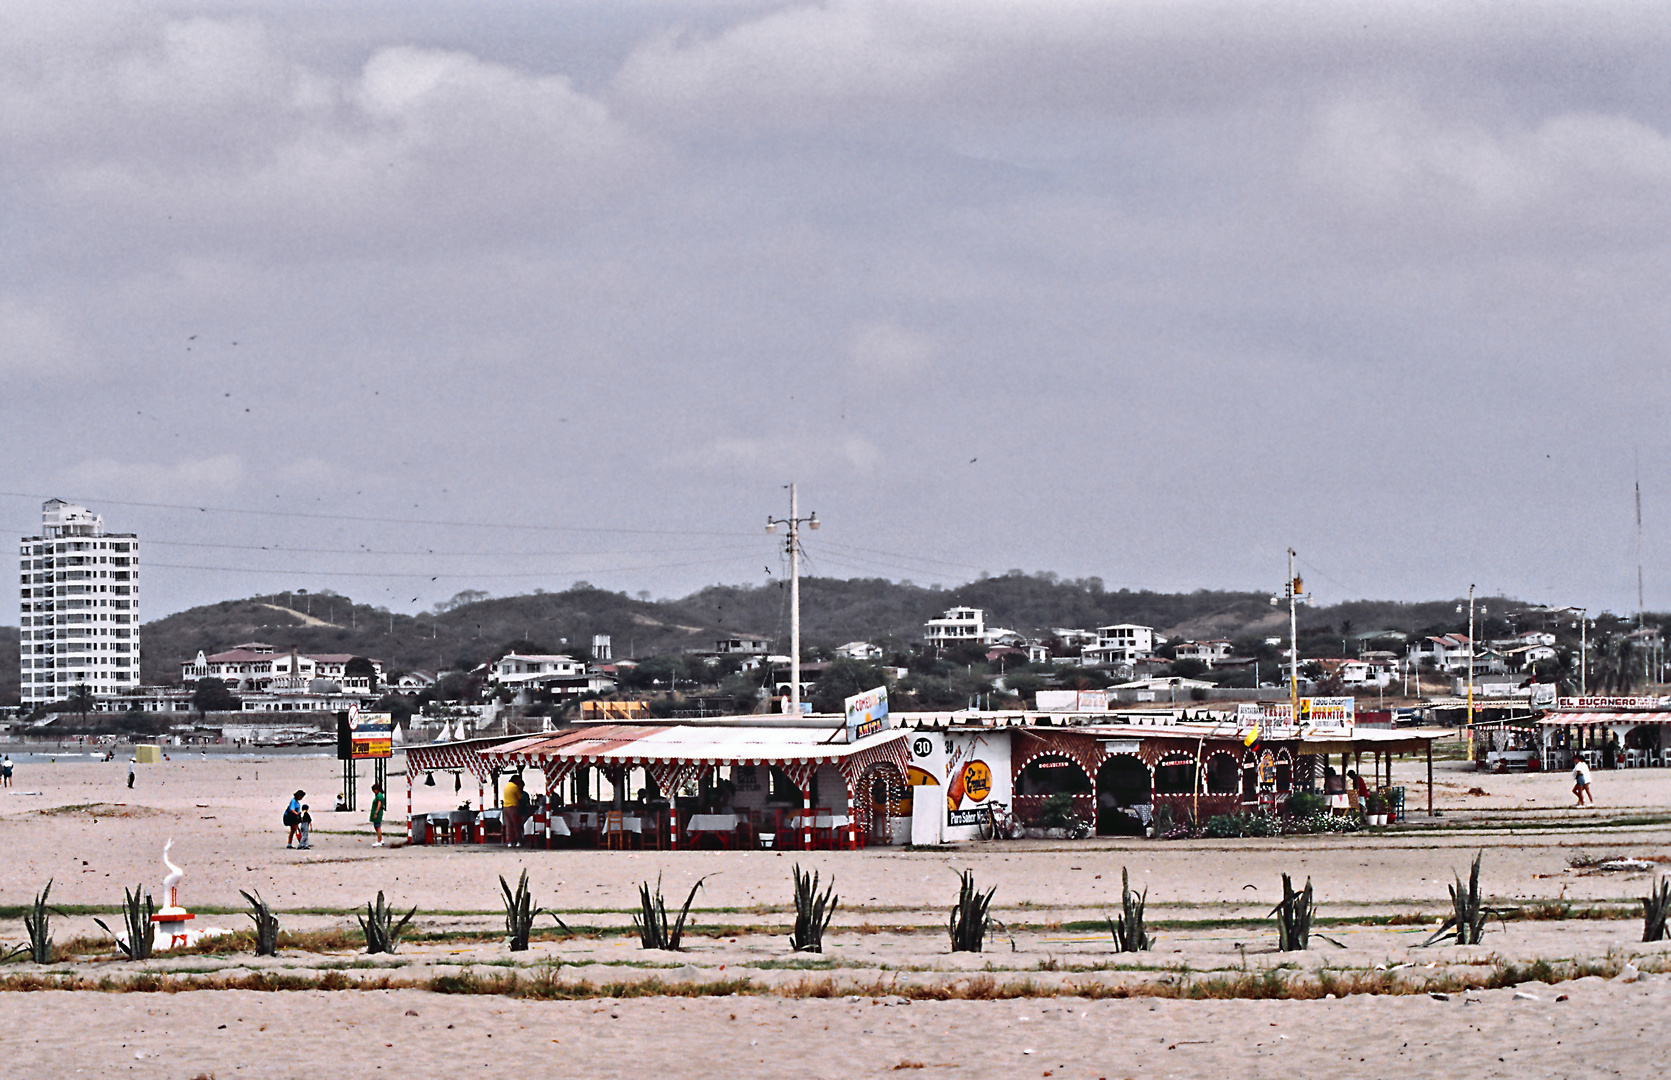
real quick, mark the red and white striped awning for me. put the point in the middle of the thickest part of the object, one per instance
(1580, 718)
(467, 755)
(676, 753)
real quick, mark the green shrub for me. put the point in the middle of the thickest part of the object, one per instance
(1303, 804)
(1057, 813)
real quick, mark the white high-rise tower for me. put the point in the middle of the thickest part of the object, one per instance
(80, 607)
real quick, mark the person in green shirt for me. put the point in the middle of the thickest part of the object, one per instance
(379, 802)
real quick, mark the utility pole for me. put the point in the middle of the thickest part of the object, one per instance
(1583, 652)
(794, 522)
(1470, 663)
(1292, 589)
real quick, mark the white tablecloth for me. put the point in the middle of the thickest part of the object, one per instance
(822, 821)
(713, 823)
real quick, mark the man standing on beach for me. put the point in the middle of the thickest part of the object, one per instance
(6, 771)
(1581, 781)
(130, 774)
(511, 809)
(379, 802)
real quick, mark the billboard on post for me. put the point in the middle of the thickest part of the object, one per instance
(867, 713)
(1328, 713)
(370, 734)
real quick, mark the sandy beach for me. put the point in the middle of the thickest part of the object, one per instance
(886, 995)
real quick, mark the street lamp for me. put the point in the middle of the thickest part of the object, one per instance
(793, 524)
(1293, 592)
(1583, 650)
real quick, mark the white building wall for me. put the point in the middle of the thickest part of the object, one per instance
(78, 607)
(946, 758)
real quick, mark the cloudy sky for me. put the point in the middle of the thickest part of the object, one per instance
(416, 297)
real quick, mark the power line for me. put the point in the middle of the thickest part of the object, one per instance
(385, 520)
(279, 550)
(451, 576)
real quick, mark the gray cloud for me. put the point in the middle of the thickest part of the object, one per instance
(1190, 283)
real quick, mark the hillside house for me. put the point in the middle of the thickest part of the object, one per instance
(1214, 651)
(1119, 644)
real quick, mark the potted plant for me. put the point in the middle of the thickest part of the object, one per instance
(1372, 810)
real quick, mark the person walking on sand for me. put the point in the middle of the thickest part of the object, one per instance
(6, 771)
(130, 773)
(293, 818)
(304, 829)
(379, 802)
(1581, 781)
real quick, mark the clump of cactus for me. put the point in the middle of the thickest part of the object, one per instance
(654, 931)
(1293, 927)
(137, 910)
(382, 932)
(1468, 911)
(1655, 907)
(813, 912)
(520, 913)
(1127, 928)
(266, 924)
(38, 922)
(969, 918)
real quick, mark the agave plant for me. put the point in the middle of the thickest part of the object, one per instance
(1129, 935)
(812, 911)
(654, 932)
(382, 932)
(37, 920)
(1655, 907)
(1293, 927)
(266, 924)
(142, 932)
(1468, 911)
(520, 913)
(970, 919)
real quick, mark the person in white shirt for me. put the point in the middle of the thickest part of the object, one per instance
(1581, 782)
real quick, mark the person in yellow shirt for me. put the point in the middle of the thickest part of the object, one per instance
(511, 807)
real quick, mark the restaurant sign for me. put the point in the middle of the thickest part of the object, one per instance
(1327, 713)
(1614, 704)
(867, 713)
(370, 734)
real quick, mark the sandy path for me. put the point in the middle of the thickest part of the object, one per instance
(74, 821)
(1602, 1030)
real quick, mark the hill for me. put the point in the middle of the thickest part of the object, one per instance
(474, 627)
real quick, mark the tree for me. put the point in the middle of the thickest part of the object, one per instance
(1189, 667)
(361, 668)
(842, 679)
(212, 695)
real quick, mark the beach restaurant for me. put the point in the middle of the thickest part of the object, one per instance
(1607, 732)
(718, 784)
(1120, 771)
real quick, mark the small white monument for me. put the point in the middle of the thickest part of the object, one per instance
(171, 914)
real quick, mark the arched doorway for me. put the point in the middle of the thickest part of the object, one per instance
(1051, 776)
(1123, 787)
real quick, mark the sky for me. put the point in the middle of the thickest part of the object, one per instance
(403, 299)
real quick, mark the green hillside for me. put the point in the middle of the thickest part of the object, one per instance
(475, 628)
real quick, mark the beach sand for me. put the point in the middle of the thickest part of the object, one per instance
(75, 822)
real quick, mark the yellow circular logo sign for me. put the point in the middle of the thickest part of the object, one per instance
(977, 780)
